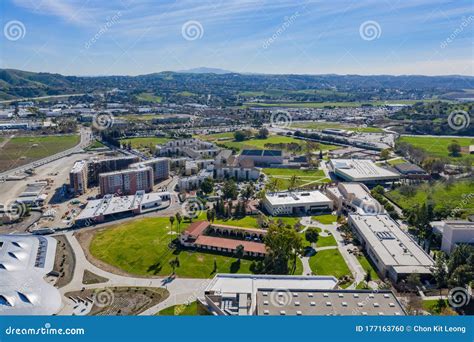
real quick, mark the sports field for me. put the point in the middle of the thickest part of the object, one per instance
(438, 146)
(23, 150)
(148, 97)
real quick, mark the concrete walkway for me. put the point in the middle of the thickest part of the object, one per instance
(181, 289)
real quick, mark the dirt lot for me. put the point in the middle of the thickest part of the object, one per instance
(92, 278)
(120, 301)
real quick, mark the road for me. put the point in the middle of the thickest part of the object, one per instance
(41, 98)
(86, 137)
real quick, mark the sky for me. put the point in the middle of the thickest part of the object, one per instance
(134, 37)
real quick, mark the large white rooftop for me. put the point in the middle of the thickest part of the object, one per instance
(297, 197)
(24, 261)
(361, 170)
(393, 246)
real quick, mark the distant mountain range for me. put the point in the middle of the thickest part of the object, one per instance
(226, 85)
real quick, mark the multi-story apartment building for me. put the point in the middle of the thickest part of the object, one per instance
(96, 167)
(127, 182)
(78, 177)
(160, 166)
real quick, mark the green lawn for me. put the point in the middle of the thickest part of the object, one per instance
(144, 142)
(438, 306)
(95, 144)
(251, 221)
(325, 219)
(325, 125)
(438, 146)
(329, 262)
(181, 310)
(140, 247)
(367, 265)
(444, 195)
(305, 177)
(23, 150)
(273, 139)
(326, 241)
(148, 97)
(216, 137)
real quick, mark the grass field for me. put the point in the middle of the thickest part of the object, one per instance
(438, 146)
(325, 125)
(438, 306)
(273, 139)
(366, 265)
(251, 221)
(305, 177)
(329, 262)
(326, 241)
(23, 150)
(181, 310)
(216, 137)
(144, 142)
(148, 97)
(141, 247)
(456, 195)
(325, 219)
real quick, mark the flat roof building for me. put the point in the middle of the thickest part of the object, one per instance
(78, 177)
(160, 166)
(454, 233)
(393, 252)
(24, 262)
(354, 197)
(361, 170)
(282, 295)
(262, 157)
(126, 182)
(296, 202)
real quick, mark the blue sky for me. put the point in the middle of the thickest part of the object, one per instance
(130, 37)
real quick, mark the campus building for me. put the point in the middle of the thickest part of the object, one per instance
(263, 158)
(354, 197)
(361, 170)
(78, 177)
(222, 238)
(282, 295)
(297, 203)
(24, 262)
(115, 207)
(192, 147)
(160, 166)
(126, 182)
(454, 233)
(393, 252)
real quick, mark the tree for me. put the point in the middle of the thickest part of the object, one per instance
(171, 221)
(247, 192)
(239, 252)
(242, 135)
(207, 186)
(174, 263)
(312, 235)
(454, 148)
(262, 133)
(378, 190)
(230, 190)
(293, 182)
(439, 270)
(384, 154)
(272, 185)
(179, 218)
(368, 276)
(413, 281)
(283, 244)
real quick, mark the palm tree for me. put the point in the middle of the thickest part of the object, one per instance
(179, 218)
(293, 182)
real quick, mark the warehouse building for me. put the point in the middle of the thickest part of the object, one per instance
(297, 203)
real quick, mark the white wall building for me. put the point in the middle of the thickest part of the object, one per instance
(454, 233)
(361, 170)
(297, 202)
